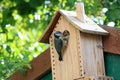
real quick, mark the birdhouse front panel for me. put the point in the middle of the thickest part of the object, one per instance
(69, 67)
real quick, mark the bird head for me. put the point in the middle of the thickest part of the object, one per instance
(57, 34)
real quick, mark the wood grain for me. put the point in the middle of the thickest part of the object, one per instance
(40, 66)
(80, 12)
(68, 69)
(111, 43)
(97, 78)
(92, 56)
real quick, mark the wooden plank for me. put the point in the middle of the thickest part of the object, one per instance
(72, 63)
(40, 66)
(69, 66)
(80, 12)
(92, 56)
(96, 78)
(73, 50)
(111, 43)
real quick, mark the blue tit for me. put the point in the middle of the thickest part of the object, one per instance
(58, 44)
(61, 42)
(65, 38)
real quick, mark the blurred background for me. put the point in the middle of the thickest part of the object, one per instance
(22, 22)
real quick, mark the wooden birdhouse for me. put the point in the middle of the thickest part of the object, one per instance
(83, 58)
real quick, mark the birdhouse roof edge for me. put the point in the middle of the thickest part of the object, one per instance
(45, 36)
(89, 27)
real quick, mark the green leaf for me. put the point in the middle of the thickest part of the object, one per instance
(8, 49)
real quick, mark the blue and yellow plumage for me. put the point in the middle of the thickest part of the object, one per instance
(61, 42)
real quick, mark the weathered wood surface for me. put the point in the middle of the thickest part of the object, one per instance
(80, 12)
(97, 78)
(40, 66)
(111, 42)
(68, 69)
(92, 55)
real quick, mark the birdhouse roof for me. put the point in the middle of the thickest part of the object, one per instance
(88, 26)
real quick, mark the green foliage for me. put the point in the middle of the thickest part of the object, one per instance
(113, 13)
(22, 22)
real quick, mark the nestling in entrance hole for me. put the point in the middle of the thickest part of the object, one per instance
(61, 42)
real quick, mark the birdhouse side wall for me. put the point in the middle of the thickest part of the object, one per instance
(69, 68)
(91, 55)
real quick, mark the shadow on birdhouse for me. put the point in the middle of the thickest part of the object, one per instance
(82, 59)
